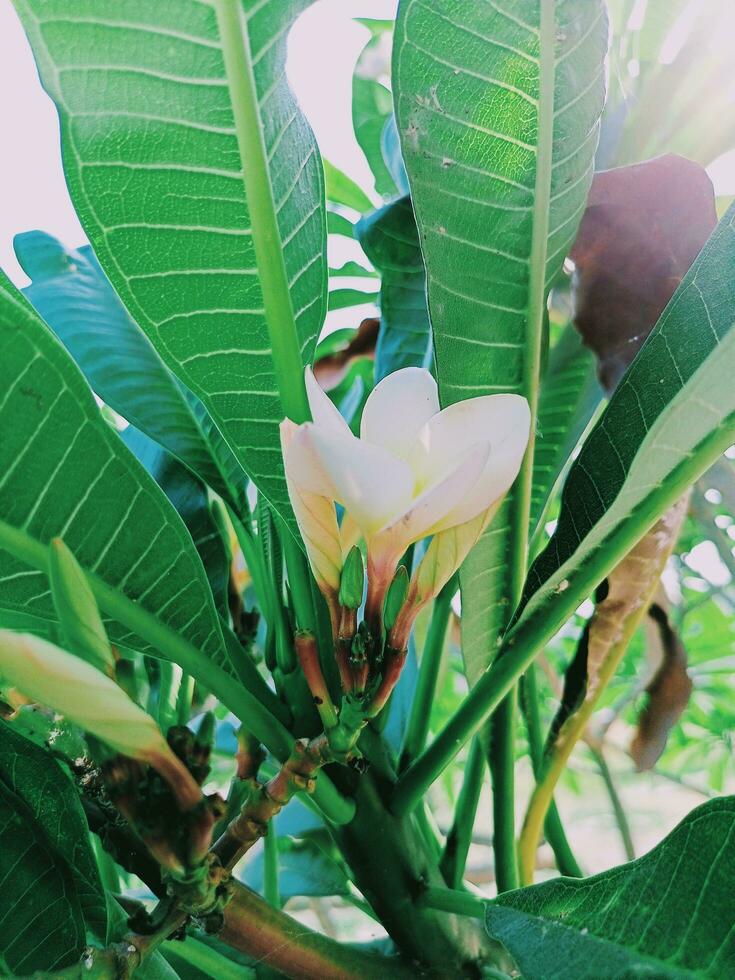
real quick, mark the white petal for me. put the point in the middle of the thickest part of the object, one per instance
(317, 520)
(398, 408)
(323, 410)
(504, 421)
(431, 507)
(372, 485)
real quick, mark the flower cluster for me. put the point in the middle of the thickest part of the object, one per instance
(415, 472)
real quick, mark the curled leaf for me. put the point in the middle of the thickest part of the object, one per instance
(668, 692)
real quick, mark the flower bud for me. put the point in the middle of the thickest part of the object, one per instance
(90, 699)
(77, 610)
(352, 579)
(397, 592)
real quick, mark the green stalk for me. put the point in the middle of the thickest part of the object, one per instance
(206, 961)
(176, 648)
(553, 827)
(502, 740)
(617, 804)
(459, 838)
(271, 887)
(266, 236)
(502, 772)
(417, 729)
(541, 620)
(449, 900)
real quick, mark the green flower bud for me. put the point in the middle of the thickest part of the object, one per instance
(77, 610)
(351, 580)
(396, 596)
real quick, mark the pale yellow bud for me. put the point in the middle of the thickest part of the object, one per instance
(45, 673)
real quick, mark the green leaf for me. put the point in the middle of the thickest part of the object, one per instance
(65, 473)
(498, 112)
(343, 190)
(671, 416)
(390, 239)
(41, 922)
(154, 135)
(341, 299)
(337, 224)
(81, 624)
(669, 914)
(38, 780)
(570, 395)
(304, 869)
(372, 103)
(72, 294)
(189, 496)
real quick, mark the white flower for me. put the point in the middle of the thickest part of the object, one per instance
(415, 471)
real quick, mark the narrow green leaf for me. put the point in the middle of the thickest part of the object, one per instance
(671, 416)
(72, 294)
(390, 239)
(37, 778)
(337, 224)
(341, 299)
(65, 473)
(343, 190)
(498, 113)
(79, 617)
(154, 152)
(669, 914)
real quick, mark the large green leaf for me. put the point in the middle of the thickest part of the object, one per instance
(41, 922)
(670, 417)
(391, 242)
(65, 473)
(152, 153)
(670, 914)
(70, 291)
(37, 779)
(498, 110)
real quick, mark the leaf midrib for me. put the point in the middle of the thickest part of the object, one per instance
(521, 501)
(279, 315)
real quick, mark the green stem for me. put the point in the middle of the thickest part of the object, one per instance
(271, 887)
(502, 742)
(299, 580)
(619, 811)
(502, 765)
(266, 237)
(553, 827)
(417, 729)
(459, 838)
(176, 648)
(206, 960)
(450, 900)
(541, 620)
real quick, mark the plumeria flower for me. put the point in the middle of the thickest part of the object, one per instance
(415, 471)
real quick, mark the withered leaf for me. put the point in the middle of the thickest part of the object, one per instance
(643, 227)
(667, 694)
